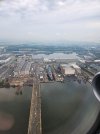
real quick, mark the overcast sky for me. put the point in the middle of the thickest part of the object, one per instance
(40, 20)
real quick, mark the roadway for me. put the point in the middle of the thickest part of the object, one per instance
(35, 109)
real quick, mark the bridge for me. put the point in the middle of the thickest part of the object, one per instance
(35, 126)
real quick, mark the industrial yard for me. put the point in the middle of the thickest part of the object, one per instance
(20, 70)
(19, 64)
(23, 69)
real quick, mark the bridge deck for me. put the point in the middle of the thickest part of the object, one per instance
(35, 110)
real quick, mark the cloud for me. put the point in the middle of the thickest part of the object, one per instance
(44, 5)
(50, 17)
(58, 9)
(53, 10)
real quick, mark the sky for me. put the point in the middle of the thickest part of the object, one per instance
(50, 20)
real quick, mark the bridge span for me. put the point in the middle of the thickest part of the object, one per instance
(35, 126)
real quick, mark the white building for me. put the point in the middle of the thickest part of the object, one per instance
(77, 68)
(97, 61)
(67, 69)
(5, 59)
(47, 60)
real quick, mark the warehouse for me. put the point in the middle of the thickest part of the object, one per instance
(5, 58)
(67, 69)
(76, 67)
(27, 69)
(17, 70)
(23, 68)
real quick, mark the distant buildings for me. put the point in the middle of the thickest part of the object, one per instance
(2, 50)
(5, 58)
(95, 68)
(47, 60)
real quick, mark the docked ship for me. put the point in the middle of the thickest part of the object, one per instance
(49, 73)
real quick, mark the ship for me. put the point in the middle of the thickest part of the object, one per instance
(49, 73)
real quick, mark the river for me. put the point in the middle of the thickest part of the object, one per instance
(14, 111)
(68, 108)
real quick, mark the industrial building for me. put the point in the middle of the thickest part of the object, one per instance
(27, 69)
(23, 68)
(47, 60)
(17, 70)
(5, 58)
(41, 77)
(77, 68)
(95, 67)
(67, 69)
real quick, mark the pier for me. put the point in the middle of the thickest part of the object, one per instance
(35, 126)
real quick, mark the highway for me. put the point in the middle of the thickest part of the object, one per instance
(35, 110)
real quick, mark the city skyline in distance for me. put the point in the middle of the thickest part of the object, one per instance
(54, 20)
